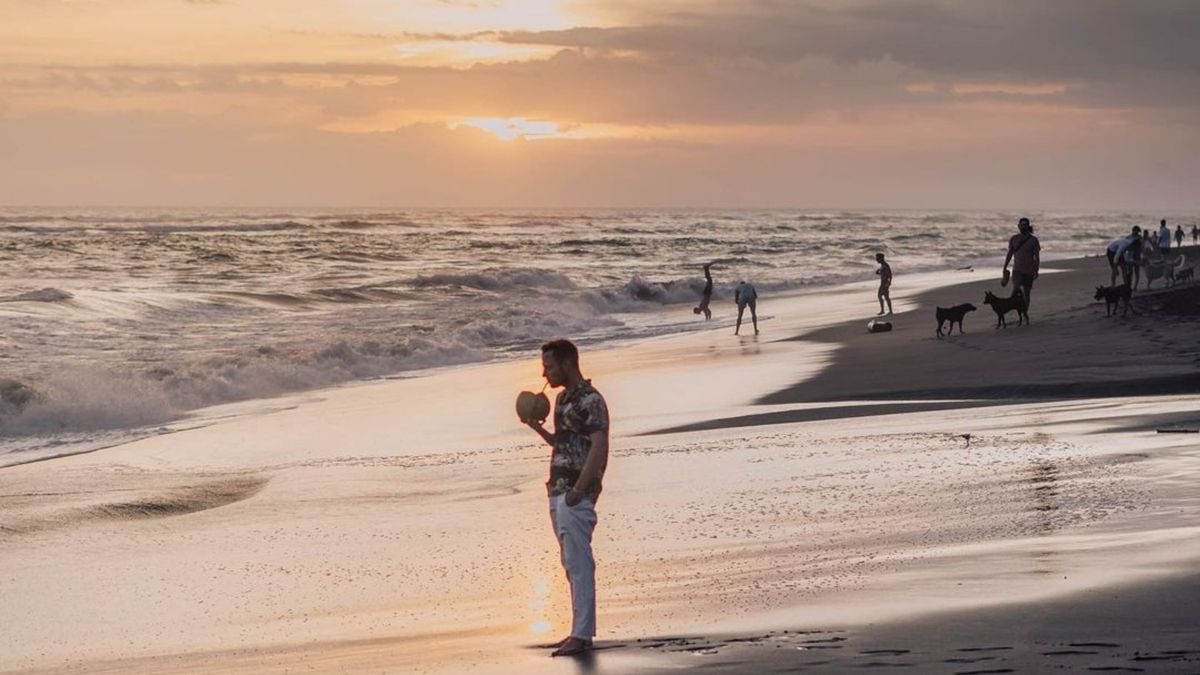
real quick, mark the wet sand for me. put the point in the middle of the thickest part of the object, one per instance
(1139, 628)
(756, 486)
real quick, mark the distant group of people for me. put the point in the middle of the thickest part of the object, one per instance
(1127, 255)
(1024, 254)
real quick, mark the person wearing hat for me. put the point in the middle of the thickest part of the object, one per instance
(1024, 252)
(580, 442)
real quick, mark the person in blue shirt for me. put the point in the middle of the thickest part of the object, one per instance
(1164, 236)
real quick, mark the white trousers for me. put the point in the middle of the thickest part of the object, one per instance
(573, 526)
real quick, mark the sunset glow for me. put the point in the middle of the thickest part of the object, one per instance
(728, 99)
(512, 128)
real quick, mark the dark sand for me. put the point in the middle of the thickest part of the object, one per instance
(1149, 628)
(1057, 356)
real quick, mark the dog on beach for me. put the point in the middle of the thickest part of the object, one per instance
(953, 314)
(1162, 269)
(1002, 306)
(1187, 275)
(1113, 296)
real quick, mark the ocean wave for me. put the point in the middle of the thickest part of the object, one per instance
(495, 279)
(356, 257)
(312, 298)
(91, 398)
(601, 241)
(172, 228)
(355, 224)
(213, 256)
(41, 295)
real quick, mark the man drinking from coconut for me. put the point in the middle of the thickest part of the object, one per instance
(580, 442)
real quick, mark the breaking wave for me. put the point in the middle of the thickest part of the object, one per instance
(496, 280)
(42, 295)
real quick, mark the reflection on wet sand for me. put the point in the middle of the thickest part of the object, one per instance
(1044, 480)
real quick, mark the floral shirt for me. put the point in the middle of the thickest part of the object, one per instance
(578, 412)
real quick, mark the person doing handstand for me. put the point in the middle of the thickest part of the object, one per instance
(706, 295)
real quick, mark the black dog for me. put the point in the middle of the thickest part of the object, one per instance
(1002, 306)
(954, 315)
(1112, 296)
(1185, 275)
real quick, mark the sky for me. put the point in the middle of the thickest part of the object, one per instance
(955, 104)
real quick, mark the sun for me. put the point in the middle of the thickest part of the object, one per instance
(512, 128)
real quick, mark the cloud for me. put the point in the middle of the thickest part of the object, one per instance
(1065, 38)
(756, 102)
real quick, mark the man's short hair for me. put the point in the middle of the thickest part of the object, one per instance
(1023, 221)
(563, 350)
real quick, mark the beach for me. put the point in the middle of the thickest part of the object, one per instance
(816, 497)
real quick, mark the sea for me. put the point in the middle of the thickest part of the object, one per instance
(116, 322)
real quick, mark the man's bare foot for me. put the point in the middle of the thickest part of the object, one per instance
(572, 646)
(558, 644)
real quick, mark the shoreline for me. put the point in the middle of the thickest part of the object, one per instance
(90, 440)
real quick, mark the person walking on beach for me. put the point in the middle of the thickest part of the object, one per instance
(746, 296)
(580, 442)
(1121, 253)
(885, 283)
(1024, 252)
(1164, 237)
(1195, 234)
(705, 295)
(1178, 236)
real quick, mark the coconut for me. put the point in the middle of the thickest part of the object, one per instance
(532, 407)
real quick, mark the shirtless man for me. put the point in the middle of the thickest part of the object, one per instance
(885, 283)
